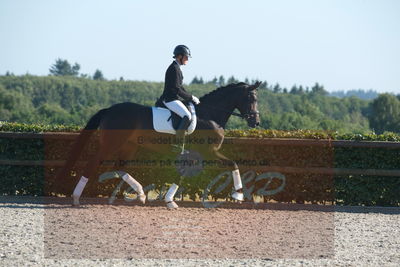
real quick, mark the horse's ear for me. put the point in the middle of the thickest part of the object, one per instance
(254, 86)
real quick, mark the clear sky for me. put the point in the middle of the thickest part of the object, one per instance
(342, 44)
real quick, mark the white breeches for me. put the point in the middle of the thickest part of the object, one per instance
(179, 108)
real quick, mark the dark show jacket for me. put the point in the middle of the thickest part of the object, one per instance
(173, 89)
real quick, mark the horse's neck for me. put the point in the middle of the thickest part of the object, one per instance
(217, 111)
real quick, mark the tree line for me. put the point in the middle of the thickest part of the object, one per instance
(277, 88)
(67, 97)
(63, 68)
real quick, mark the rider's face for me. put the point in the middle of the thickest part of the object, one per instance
(183, 59)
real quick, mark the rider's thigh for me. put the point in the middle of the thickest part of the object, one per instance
(179, 108)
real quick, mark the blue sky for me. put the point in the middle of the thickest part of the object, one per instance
(342, 44)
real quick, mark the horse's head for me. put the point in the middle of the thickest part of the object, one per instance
(248, 105)
(220, 104)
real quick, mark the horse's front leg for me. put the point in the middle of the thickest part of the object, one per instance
(237, 180)
(169, 196)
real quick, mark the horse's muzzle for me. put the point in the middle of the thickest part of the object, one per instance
(253, 123)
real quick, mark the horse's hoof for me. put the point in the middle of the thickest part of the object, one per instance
(172, 205)
(142, 198)
(238, 196)
(75, 201)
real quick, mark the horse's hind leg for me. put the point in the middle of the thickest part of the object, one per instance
(91, 166)
(111, 142)
(127, 153)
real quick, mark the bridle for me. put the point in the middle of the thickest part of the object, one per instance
(245, 116)
(248, 115)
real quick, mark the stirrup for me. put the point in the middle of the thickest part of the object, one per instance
(178, 148)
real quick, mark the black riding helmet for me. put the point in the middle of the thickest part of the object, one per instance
(182, 50)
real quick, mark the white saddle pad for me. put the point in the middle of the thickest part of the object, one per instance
(162, 125)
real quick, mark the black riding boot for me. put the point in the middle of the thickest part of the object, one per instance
(180, 131)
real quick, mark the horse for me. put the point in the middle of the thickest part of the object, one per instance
(122, 125)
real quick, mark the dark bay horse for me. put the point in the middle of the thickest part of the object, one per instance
(123, 125)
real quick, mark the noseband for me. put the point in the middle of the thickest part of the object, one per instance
(248, 115)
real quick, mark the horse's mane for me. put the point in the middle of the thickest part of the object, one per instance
(221, 91)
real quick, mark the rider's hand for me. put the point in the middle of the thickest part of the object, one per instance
(195, 100)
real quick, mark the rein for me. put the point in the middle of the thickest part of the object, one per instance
(244, 116)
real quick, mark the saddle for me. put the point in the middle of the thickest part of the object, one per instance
(176, 119)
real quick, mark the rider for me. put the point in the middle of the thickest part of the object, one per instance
(174, 92)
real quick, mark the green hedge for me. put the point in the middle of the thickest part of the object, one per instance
(300, 188)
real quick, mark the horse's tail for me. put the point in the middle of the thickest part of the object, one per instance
(80, 142)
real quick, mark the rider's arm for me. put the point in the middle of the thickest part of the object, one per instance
(174, 83)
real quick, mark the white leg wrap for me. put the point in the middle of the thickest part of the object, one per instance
(79, 187)
(172, 205)
(237, 181)
(171, 193)
(133, 183)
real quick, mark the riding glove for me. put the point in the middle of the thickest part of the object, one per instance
(195, 100)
